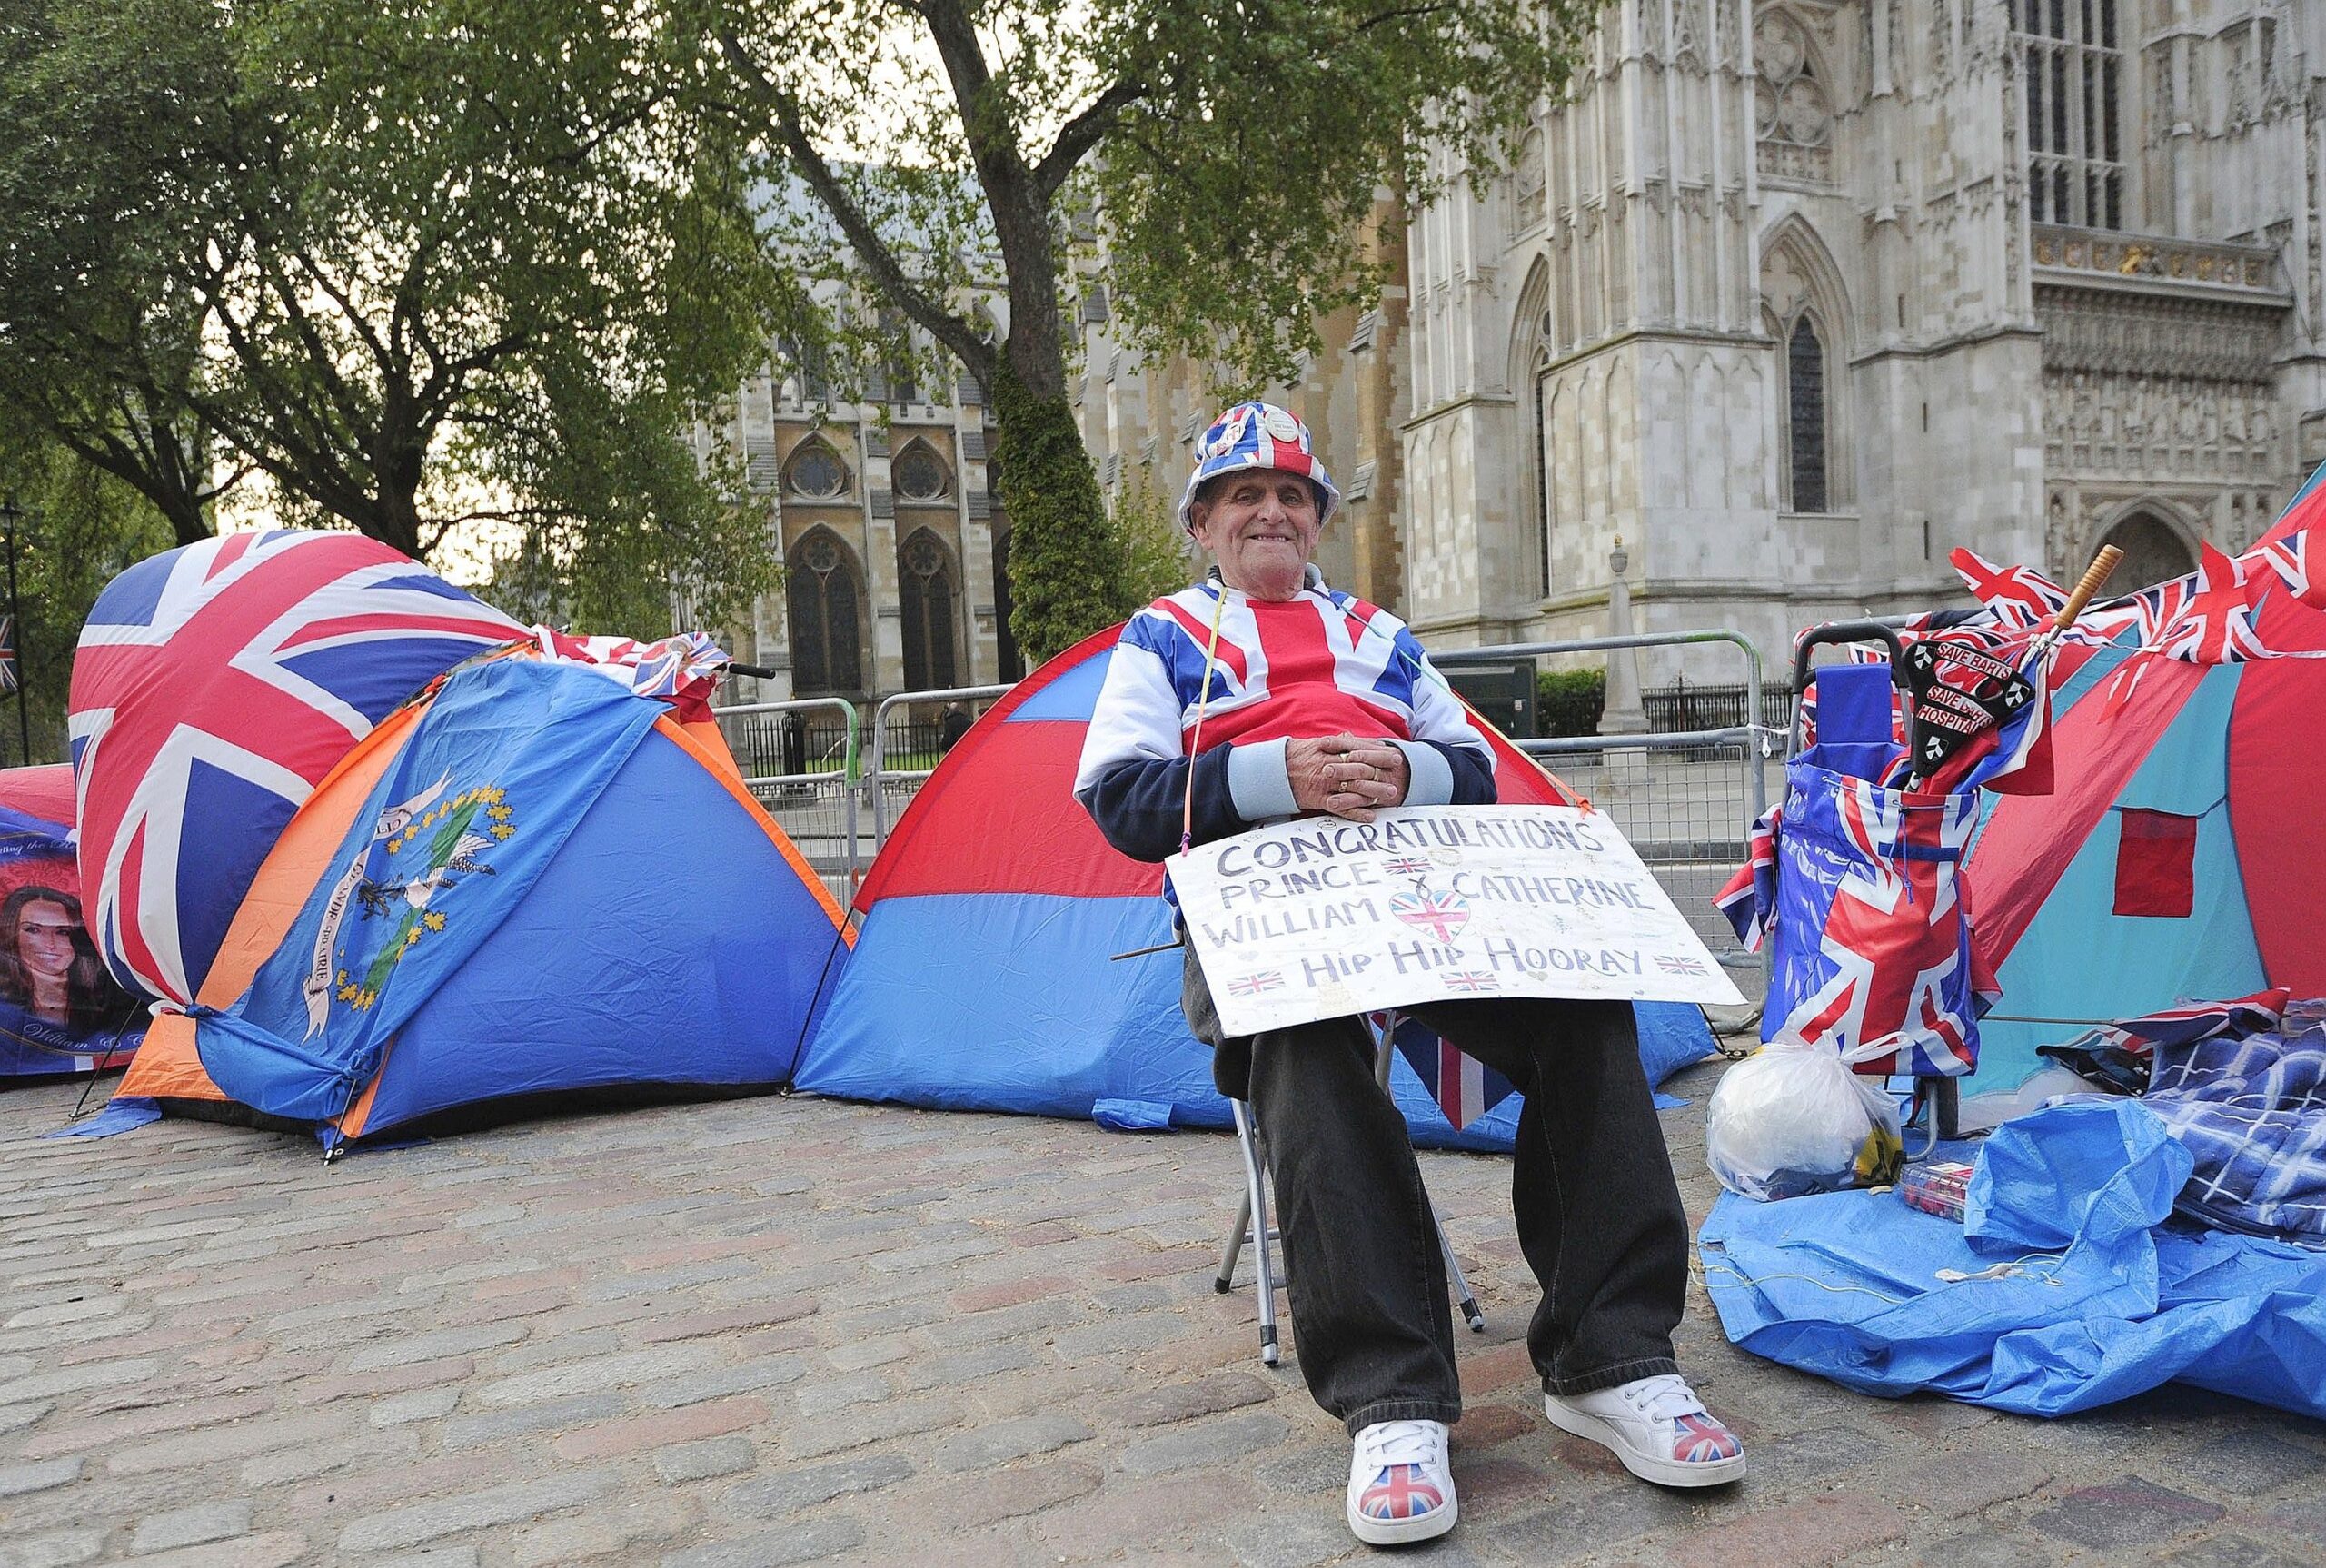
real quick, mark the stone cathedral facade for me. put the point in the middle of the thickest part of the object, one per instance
(1790, 297)
(1794, 298)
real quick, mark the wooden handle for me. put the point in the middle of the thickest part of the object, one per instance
(2087, 585)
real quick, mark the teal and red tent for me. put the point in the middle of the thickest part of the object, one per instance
(2179, 855)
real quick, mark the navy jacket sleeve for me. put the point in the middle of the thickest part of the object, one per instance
(1473, 774)
(1138, 803)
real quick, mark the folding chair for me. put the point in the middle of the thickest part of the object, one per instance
(1253, 1229)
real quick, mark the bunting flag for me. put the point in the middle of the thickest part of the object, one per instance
(2289, 558)
(2020, 597)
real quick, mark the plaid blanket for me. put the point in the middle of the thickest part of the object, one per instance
(2251, 1113)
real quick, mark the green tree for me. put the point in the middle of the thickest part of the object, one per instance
(1143, 528)
(1230, 154)
(113, 124)
(78, 526)
(451, 267)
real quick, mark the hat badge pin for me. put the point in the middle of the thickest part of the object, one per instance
(1280, 424)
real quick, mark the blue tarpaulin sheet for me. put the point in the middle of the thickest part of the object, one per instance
(2067, 1287)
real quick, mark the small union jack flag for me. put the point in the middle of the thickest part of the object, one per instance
(2019, 596)
(1672, 964)
(1407, 867)
(2303, 576)
(8, 677)
(1472, 981)
(1253, 984)
(1442, 915)
(2189, 1022)
(1464, 1087)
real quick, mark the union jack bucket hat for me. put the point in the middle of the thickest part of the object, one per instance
(1259, 435)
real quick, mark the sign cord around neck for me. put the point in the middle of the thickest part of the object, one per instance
(1195, 741)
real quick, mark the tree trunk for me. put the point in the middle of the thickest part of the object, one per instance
(396, 471)
(1066, 574)
(185, 515)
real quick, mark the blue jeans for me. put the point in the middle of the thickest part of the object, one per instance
(1598, 1212)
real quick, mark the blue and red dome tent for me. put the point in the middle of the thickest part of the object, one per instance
(534, 890)
(2178, 855)
(983, 977)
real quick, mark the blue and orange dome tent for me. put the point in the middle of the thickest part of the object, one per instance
(528, 886)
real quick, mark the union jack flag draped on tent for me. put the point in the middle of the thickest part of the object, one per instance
(214, 686)
(683, 671)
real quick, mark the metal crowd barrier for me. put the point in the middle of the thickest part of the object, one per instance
(1685, 799)
(814, 801)
(885, 784)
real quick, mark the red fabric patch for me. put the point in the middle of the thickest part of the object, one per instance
(2156, 858)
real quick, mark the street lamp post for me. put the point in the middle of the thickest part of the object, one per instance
(11, 514)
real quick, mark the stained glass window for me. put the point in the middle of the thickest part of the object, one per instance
(824, 602)
(816, 471)
(1805, 412)
(926, 589)
(919, 474)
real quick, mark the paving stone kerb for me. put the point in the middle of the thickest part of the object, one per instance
(792, 1330)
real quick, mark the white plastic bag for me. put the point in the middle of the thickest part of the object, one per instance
(1792, 1118)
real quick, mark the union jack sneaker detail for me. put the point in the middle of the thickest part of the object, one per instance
(1657, 1427)
(1399, 1487)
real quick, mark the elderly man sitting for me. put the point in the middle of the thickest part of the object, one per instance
(1316, 701)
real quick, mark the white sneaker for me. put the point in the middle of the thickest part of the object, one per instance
(1399, 1487)
(1657, 1427)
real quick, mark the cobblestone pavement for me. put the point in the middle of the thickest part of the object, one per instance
(777, 1331)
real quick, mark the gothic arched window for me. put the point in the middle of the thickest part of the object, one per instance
(1805, 383)
(918, 474)
(1792, 113)
(825, 602)
(816, 471)
(925, 587)
(2075, 137)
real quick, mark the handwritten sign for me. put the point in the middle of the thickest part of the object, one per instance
(1323, 917)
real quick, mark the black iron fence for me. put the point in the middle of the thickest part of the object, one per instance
(1677, 709)
(773, 743)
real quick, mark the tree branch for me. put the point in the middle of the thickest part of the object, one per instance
(954, 331)
(1079, 134)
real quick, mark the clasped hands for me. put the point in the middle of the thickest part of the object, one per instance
(1344, 775)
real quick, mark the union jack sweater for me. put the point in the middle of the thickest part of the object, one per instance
(1315, 665)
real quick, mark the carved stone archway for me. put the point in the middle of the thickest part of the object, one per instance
(2156, 548)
